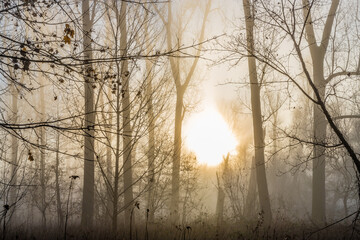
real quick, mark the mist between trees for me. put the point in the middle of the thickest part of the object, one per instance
(94, 96)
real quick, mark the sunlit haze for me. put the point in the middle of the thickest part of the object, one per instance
(209, 137)
(116, 117)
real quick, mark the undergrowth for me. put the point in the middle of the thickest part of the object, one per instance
(197, 230)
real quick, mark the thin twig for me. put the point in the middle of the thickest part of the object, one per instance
(332, 224)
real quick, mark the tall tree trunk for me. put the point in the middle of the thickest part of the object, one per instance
(60, 213)
(185, 202)
(151, 150)
(318, 56)
(175, 176)
(257, 118)
(42, 156)
(126, 120)
(89, 159)
(179, 112)
(115, 195)
(175, 180)
(318, 183)
(221, 193)
(14, 151)
(151, 125)
(108, 119)
(251, 192)
(109, 168)
(276, 180)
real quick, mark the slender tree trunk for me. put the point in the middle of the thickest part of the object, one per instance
(185, 202)
(108, 119)
(126, 118)
(151, 145)
(251, 193)
(278, 183)
(151, 138)
(14, 152)
(257, 119)
(115, 200)
(115, 196)
(109, 168)
(219, 204)
(175, 180)
(57, 185)
(318, 56)
(108, 151)
(179, 112)
(175, 175)
(89, 159)
(151, 159)
(221, 194)
(318, 183)
(42, 157)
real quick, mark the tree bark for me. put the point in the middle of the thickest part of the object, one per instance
(115, 196)
(14, 151)
(151, 131)
(60, 213)
(175, 181)
(89, 158)
(126, 120)
(42, 156)
(109, 168)
(151, 144)
(257, 118)
(318, 57)
(318, 183)
(108, 120)
(251, 193)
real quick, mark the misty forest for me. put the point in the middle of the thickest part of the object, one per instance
(179, 119)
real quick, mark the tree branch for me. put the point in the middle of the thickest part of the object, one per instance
(347, 117)
(338, 74)
(193, 66)
(309, 29)
(328, 26)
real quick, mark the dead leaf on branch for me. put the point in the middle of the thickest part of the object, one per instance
(69, 33)
(67, 39)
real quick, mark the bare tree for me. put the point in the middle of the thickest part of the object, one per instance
(181, 81)
(294, 28)
(127, 131)
(89, 156)
(249, 12)
(151, 122)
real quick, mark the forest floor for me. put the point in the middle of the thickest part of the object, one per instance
(195, 231)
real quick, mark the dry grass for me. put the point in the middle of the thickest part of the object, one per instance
(198, 230)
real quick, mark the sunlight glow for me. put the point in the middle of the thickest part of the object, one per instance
(209, 137)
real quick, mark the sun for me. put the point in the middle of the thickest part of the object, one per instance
(209, 137)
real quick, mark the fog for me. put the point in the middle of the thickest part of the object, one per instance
(202, 119)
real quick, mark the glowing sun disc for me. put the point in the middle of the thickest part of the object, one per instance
(209, 137)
